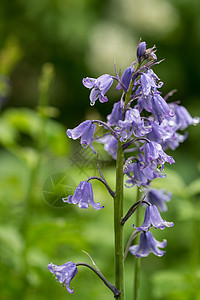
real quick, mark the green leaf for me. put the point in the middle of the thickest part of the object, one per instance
(56, 137)
(173, 183)
(30, 122)
(188, 210)
(11, 245)
(23, 119)
(168, 282)
(8, 134)
(194, 187)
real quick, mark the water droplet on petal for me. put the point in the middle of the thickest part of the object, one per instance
(171, 123)
(92, 103)
(181, 138)
(159, 147)
(196, 121)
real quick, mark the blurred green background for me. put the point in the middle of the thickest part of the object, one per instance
(46, 48)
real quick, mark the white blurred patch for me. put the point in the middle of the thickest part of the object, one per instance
(153, 17)
(109, 43)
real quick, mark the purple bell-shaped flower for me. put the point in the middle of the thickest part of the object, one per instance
(85, 131)
(148, 244)
(141, 49)
(158, 198)
(153, 218)
(98, 87)
(154, 152)
(64, 273)
(83, 196)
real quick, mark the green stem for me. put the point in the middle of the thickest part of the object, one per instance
(128, 94)
(137, 260)
(118, 228)
(118, 209)
(194, 250)
(102, 277)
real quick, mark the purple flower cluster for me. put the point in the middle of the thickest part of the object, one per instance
(144, 125)
(147, 125)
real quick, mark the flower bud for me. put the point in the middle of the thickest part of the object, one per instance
(141, 50)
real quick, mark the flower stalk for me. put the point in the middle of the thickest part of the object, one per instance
(111, 192)
(118, 228)
(137, 260)
(102, 277)
(143, 120)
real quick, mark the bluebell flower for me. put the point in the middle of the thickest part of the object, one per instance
(182, 117)
(153, 152)
(174, 141)
(153, 218)
(160, 108)
(148, 82)
(83, 196)
(99, 87)
(141, 176)
(166, 133)
(156, 105)
(154, 134)
(85, 131)
(132, 124)
(64, 273)
(144, 102)
(141, 49)
(110, 145)
(160, 133)
(148, 244)
(124, 82)
(158, 198)
(116, 114)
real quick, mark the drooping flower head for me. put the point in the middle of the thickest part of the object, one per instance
(148, 244)
(182, 118)
(166, 133)
(85, 131)
(110, 145)
(99, 87)
(153, 218)
(116, 114)
(149, 82)
(153, 153)
(64, 273)
(160, 108)
(141, 176)
(132, 124)
(158, 198)
(83, 196)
